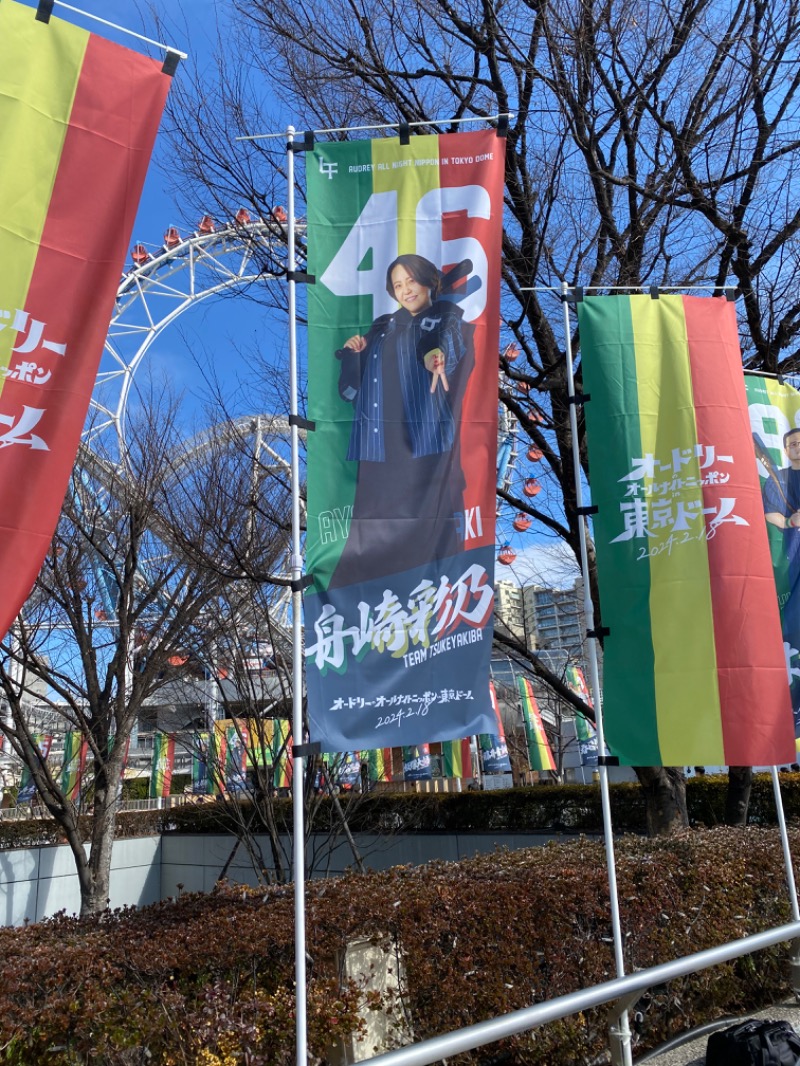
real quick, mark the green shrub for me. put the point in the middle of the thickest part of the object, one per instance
(554, 809)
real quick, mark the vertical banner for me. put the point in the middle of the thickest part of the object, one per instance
(379, 762)
(27, 786)
(775, 423)
(237, 737)
(494, 749)
(585, 730)
(282, 761)
(73, 764)
(200, 781)
(217, 756)
(456, 758)
(417, 763)
(346, 770)
(540, 754)
(162, 766)
(694, 670)
(404, 244)
(79, 116)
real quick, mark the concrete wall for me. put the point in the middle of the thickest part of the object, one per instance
(37, 882)
(195, 861)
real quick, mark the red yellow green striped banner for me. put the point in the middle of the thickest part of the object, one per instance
(163, 763)
(456, 758)
(540, 754)
(379, 762)
(73, 764)
(79, 116)
(281, 753)
(694, 668)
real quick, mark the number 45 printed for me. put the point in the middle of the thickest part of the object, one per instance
(374, 238)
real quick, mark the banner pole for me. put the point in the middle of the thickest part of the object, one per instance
(621, 1034)
(787, 855)
(297, 643)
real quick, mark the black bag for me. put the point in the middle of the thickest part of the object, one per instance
(754, 1043)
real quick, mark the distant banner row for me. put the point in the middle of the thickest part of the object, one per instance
(230, 757)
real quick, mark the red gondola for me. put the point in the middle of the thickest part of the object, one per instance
(522, 386)
(172, 238)
(279, 214)
(242, 217)
(206, 225)
(531, 487)
(507, 555)
(512, 352)
(140, 255)
(534, 454)
(522, 522)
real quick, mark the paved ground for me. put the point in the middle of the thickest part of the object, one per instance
(694, 1052)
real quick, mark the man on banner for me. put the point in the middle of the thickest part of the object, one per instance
(404, 244)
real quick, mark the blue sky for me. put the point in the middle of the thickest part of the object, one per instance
(221, 333)
(211, 333)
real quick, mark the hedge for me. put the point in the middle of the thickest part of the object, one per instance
(546, 809)
(209, 979)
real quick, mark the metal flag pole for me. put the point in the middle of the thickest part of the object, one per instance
(620, 1032)
(298, 821)
(794, 958)
(787, 855)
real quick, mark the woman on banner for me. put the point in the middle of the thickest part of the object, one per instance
(406, 380)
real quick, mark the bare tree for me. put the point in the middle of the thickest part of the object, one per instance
(119, 600)
(648, 144)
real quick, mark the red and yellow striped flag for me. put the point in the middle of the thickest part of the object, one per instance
(694, 669)
(79, 116)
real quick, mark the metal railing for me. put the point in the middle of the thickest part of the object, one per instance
(25, 812)
(621, 993)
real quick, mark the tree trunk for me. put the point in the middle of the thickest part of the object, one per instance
(665, 795)
(737, 799)
(95, 894)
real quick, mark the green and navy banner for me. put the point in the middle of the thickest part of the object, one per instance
(775, 422)
(73, 764)
(494, 749)
(200, 753)
(404, 244)
(540, 754)
(79, 116)
(417, 763)
(585, 730)
(27, 785)
(162, 766)
(237, 739)
(694, 669)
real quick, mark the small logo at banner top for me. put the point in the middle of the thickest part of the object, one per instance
(328, 169)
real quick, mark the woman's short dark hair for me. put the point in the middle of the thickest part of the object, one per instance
(421, 270)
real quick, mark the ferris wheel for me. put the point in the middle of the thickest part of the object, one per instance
(160, 284)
